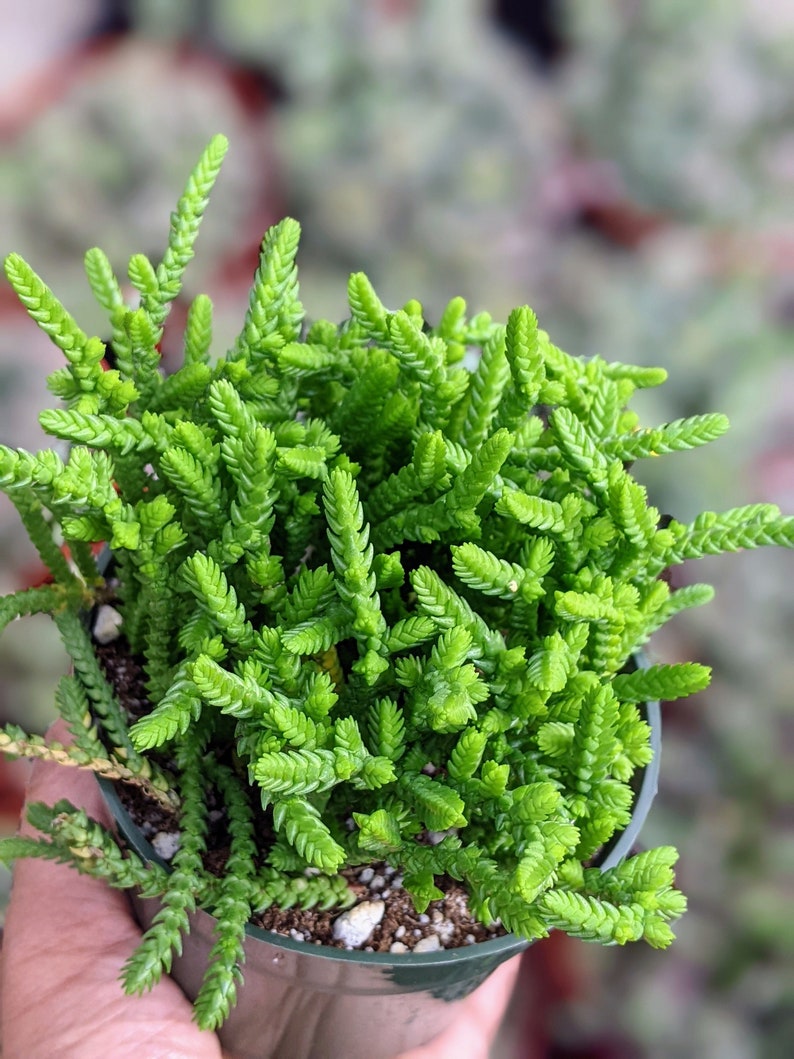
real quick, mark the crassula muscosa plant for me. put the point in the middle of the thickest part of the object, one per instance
(379, 597)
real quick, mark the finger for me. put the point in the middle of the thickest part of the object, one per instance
(477, 1023)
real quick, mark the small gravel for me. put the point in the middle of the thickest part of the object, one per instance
(165, 843)
(107, 624)
(355, 926)
(432, 943)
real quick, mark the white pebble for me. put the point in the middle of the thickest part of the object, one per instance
(432, 943)
(444, 929)
(470, 939)
(107, 624)
(400, 931)
(166, 843)
(366, 875)
(377, 882)
(435, 837)
(398, 946)
(355, 926)
(424, 918)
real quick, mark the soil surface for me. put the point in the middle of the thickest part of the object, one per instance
(379, 895)
(447, 923)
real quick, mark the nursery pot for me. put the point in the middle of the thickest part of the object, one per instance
(301, 1001)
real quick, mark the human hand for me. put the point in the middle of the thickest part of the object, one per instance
(67, 936)
(473, 1032)
(65, 941)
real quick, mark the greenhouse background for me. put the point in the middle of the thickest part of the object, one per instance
(627, 169)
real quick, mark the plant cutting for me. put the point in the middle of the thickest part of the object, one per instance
(367, 611)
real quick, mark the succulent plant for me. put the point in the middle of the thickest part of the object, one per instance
(386, 604)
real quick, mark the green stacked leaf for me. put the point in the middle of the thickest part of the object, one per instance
(366, 584)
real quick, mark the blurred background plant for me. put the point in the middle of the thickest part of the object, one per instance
(627, 169)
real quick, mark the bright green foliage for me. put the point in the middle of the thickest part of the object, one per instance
(486, 572)
(50, 315)
(662, 682)
(485, 390)
(273, 887)
(103, 282)
(185, 221)
(376, 595)
(672, 437)
(466, 755)
(352, 555)
(378, 832)
(155, 953)
(305, 830)
(386, 729)
(232, 908)
(274, 313)
(206, 580)
(439, 807)
(177, 708)
(198, 331)
(103, 701)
